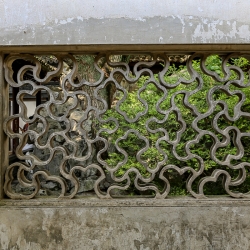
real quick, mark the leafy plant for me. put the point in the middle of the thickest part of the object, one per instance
(151, 91)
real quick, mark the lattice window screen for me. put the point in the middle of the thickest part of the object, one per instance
(129, 124)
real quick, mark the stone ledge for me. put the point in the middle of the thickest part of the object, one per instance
(126, 202)
(93, 48)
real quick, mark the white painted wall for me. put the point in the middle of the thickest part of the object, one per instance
(123, 22)
(62, 11)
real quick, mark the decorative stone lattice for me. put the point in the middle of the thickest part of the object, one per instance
(72, 143)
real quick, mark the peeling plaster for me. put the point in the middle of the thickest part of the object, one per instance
(46, 10)
(163, 30)
(104, 22)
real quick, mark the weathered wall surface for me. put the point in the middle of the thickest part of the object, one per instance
(62, 22)
(137, 225)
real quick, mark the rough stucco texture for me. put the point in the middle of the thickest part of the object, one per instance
(46, 22)
(139, 228)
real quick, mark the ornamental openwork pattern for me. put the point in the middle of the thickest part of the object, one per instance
(123, 124)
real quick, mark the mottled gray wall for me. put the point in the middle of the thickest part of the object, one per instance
(46, 22)
(138, 225)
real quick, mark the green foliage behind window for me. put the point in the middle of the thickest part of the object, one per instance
(153, 94)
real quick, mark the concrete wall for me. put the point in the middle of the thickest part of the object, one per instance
(91, 224)
(62, 22)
